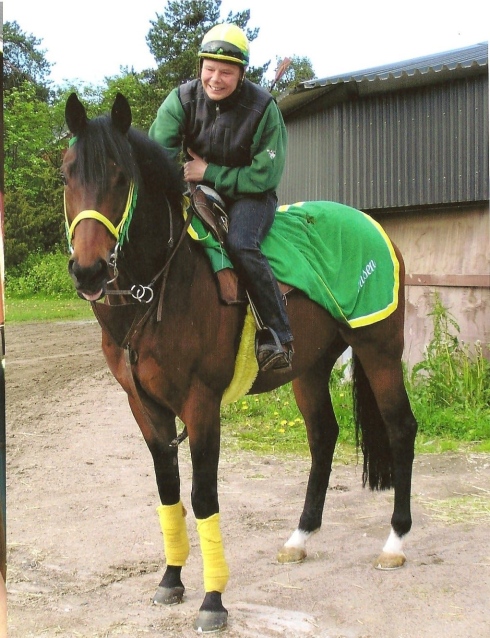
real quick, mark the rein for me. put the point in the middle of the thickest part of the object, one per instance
(145, 294)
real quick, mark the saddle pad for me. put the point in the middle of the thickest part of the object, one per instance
(338, 256)
(246, 366)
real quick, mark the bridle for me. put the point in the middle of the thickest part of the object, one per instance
(119, 232)
(139, 292)
(145, 294)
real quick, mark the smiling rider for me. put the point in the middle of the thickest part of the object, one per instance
(234, 139)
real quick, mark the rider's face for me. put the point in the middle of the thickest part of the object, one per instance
(219, 79)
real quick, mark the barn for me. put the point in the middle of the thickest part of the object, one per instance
(408, 144)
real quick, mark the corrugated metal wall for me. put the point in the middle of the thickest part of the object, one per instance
(418, 147)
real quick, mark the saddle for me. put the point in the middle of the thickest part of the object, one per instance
(209, 207)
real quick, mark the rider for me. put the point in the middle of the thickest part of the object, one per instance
(235, 142)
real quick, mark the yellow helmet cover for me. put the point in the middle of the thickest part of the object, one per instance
(226, 42)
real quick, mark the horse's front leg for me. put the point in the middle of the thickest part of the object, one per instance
(202, 417)
(159, 431)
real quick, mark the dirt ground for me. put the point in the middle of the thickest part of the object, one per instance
(85, 550)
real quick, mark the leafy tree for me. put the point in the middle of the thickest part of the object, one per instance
(144, 97)
(175, 37)
(32, 131)
(22, 61)
(299, 70)
(33, 193)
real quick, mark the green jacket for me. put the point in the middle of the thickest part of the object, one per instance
(263, 168)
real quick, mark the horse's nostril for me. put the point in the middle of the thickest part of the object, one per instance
(89, 278)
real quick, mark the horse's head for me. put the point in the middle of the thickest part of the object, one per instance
(101, 179)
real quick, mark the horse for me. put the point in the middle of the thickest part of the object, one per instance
(171, 343)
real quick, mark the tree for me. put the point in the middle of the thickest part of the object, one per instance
(33, 189)
(22, 61)
(175, 37)
(144, 97)
(299, 70)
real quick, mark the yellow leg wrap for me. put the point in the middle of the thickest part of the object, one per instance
(174, 530)
(216, 572)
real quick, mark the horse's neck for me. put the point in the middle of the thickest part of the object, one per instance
(158, 240)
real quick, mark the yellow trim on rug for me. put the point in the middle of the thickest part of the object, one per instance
(368, 320)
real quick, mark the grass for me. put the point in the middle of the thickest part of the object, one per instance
(272, 424)
(19, 309)
(461, 508)
(449, 389)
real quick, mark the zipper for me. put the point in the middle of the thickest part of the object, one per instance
(217, 115)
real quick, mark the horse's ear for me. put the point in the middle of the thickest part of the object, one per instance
(121, 113)
(75, 114)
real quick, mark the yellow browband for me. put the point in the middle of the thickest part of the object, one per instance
(93, 214)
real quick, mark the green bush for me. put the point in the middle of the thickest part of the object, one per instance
(451, 373)
(449, 391)
(40, 274)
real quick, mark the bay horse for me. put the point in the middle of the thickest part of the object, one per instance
(171, 344)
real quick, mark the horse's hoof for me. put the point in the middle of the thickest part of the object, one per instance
(208, 622)
(168, 596)
(291, 555)
(387, 562)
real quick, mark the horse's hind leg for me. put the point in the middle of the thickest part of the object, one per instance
(312, 395)
(388, 426)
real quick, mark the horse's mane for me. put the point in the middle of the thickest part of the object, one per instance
(140, 159)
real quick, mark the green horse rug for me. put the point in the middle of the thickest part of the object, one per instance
(338, 256)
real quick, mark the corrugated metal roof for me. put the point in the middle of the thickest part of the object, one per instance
(397, 75)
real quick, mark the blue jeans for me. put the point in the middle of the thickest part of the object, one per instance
(250, 220)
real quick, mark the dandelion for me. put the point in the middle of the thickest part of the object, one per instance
(284, 422)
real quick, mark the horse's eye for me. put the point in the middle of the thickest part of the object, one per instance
(63, 178)
(121, 180)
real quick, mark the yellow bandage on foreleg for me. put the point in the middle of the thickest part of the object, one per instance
(215, 567)
(174, 530)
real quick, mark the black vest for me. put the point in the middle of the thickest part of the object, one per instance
(221, 132)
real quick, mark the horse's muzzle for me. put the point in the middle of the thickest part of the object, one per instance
(89, 281)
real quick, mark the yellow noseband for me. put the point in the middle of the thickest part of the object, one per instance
(118, 232)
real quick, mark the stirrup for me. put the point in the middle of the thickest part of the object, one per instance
(272, 356)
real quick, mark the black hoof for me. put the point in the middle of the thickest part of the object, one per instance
(168, 596)
(208, 622)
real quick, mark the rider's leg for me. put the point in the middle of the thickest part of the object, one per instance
(250, 220)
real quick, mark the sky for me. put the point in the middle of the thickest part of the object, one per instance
(92, 39)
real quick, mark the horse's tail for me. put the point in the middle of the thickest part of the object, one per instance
(371, 435)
